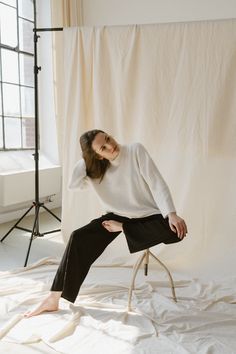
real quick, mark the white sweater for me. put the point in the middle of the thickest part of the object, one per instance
(132, 185)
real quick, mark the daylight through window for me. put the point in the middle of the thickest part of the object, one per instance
(16, 75)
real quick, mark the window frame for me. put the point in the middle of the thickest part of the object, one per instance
(19, 84)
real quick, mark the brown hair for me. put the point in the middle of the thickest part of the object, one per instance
(95, 167)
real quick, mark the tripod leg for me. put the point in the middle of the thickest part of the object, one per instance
(32, 235)
(50, 212)
(135, 270)
(168, 272)
(17, 223)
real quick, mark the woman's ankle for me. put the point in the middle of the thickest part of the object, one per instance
(55, 294)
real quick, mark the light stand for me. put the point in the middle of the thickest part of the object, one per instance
(36, 204)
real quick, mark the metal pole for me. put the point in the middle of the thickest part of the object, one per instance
(36, 154)
(47, 29)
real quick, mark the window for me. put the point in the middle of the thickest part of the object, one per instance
(16, 75)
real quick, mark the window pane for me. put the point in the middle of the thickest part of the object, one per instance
(28, 132)
(26, 36)
(10, 2)
(8, 25)
(11, 102)
(10, 71)
(26, 9)
(26, 70)
(27, 102)
(1, 137)
(13, 132)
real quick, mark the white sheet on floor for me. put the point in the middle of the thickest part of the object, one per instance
(202, 321)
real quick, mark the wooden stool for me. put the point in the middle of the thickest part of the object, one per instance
(145, 257)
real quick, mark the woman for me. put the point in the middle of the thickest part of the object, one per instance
(137, 202)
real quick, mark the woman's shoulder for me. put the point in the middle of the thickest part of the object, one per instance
(135, 150)
(136, 147)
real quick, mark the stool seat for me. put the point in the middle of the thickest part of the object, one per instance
(145, 257)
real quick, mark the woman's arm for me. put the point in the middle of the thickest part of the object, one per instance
(155, 181)
(160, 191)
(79, 178)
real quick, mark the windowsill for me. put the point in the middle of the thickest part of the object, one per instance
(18, 161)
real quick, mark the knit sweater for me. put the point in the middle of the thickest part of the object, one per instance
(132, 185)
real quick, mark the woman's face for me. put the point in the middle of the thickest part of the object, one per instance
(105, 146)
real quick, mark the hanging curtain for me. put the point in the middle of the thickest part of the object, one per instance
(171, 87)
(64, 13)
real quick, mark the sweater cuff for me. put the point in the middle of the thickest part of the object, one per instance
(166, 213)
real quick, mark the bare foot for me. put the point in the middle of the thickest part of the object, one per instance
(49, 304)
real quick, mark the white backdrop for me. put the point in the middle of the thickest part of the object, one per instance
(171, 87)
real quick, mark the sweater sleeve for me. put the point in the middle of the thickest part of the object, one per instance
(155, 181)
(79, 178)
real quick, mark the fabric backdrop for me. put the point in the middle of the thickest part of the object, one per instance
(171, 87)
(64, 13)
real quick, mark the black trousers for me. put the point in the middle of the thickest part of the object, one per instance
(87, 243)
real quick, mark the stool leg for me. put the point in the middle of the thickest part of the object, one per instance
(170, 277)
(146, 262)
(135, 270)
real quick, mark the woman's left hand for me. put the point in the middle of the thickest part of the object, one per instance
(112, 225)
(178, 225)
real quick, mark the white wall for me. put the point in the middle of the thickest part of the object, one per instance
(124, 12)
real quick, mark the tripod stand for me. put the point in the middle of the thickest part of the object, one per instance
(36, 204)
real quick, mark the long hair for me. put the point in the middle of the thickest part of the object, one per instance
(95, 167)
